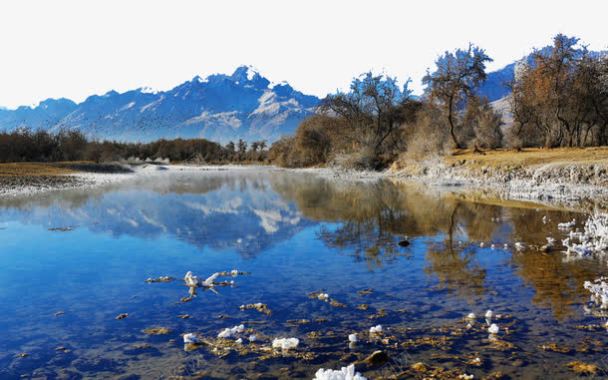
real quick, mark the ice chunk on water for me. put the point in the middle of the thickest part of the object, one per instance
(285, 343)
(345, 373)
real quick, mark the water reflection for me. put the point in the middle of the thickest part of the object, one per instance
(255, 210)
(295, 233)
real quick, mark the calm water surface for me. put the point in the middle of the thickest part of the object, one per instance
(61, 289)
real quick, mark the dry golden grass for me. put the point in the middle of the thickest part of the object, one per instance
(530, 157)
(29, 169)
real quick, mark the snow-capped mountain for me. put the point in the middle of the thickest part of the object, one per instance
(220, 108)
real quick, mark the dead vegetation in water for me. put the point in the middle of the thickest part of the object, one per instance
(260, 307)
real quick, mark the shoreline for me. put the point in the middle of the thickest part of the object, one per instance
(574, 183)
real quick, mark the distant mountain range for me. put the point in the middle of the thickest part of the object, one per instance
(219, 108)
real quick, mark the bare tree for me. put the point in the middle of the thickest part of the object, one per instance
(456, 77)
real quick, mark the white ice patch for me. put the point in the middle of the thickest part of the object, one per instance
(345, 373)
(285, 343)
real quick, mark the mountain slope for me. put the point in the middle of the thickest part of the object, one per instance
(220, 108)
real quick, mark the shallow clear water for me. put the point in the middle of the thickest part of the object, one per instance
(294, 233)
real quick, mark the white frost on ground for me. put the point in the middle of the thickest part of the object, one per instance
(345, 373)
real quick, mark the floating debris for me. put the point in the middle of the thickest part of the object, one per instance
(59, 313)
(365, 292)
(335, 303)
(323, 297)
(151, 280)
(489, 314)
(285, 343)
(493, 329)
(363, 306)
(184, 316)
(252, 338)
(261, 307)
(471, 316)
(22, 355)
(157, 331)
(121, 316)
(375, 329)
(353, 338)
(519, 246)
(228, 333)
(345, 373)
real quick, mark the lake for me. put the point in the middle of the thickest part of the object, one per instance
(74, 301)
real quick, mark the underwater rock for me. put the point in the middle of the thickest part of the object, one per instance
(365, 292)
(261, 307)
(420, 367)
(157, 331)
(583, 368)
(285, 343)
(376, 359)
(345, 373)
(404, 243)
(554, 347)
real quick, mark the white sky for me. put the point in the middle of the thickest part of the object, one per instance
(76, 48)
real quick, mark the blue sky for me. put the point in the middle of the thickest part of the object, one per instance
(74, 48)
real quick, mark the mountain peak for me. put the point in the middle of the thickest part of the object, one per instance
(248, 75)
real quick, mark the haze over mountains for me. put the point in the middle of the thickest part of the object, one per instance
(220, 108)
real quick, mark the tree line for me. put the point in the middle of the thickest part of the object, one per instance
(25, 145)
(559, 99)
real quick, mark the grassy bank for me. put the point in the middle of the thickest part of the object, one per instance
(535, 173)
